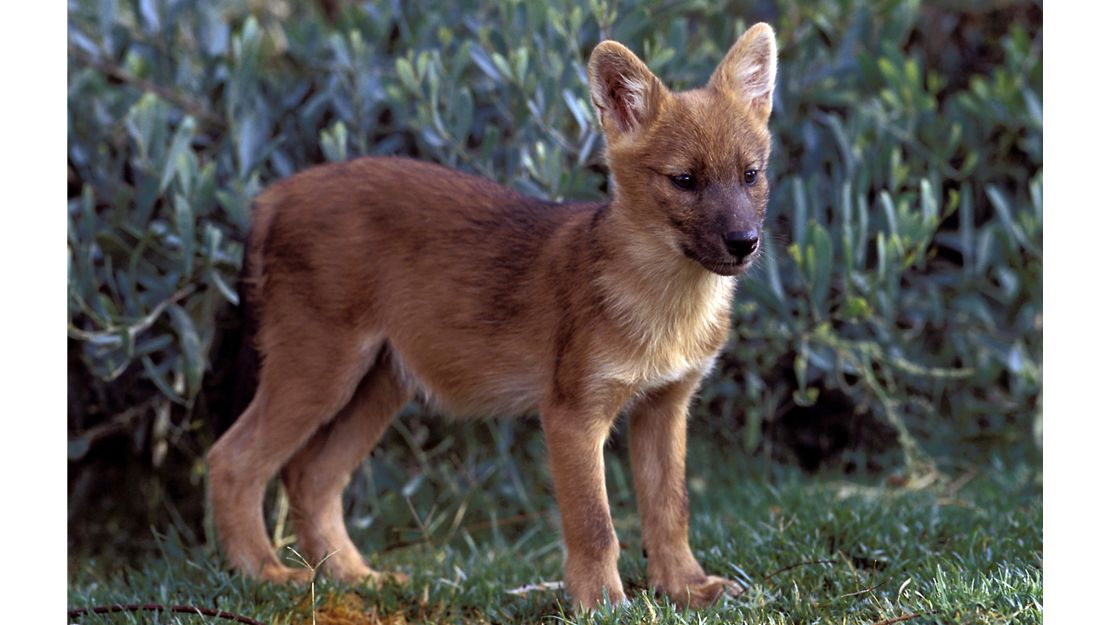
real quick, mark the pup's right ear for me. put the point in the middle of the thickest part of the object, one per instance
(625, 93)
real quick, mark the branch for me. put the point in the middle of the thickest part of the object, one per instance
(904, 617)
(154, 607)
(118, 73)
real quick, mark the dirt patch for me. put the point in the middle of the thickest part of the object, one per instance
(345, 609)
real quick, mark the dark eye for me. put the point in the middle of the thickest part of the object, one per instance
(686, 182)
(750, 176)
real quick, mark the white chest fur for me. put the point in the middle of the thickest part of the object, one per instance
(670, 332)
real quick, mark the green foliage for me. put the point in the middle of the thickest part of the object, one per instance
(906, 280)
(904, 261)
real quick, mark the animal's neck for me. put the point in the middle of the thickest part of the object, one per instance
(656, 292)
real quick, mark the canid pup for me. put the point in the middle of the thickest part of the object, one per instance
(380, 278)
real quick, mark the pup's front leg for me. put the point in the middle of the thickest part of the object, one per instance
(658, 445)
(575, 442)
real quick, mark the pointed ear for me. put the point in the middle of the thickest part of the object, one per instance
(748, 70)
(624, 91)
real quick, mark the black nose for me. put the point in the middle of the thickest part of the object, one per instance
(741, 244)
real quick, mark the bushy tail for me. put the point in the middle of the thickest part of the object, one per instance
(234, 357)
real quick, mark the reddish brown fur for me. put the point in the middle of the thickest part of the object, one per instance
(382, 278)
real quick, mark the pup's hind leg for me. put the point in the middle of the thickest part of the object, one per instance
(306, 378)
(317, 474)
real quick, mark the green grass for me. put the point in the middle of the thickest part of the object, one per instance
(809, 549)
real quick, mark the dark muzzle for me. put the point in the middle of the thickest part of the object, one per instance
(741, 244)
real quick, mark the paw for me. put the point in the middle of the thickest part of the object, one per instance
(358, 573)
(592, 600)
(701, 591)
(279, 574)
(379, 578)
(591, 593)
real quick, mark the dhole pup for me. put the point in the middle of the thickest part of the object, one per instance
(382, 278)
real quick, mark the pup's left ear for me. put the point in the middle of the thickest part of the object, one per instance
(748, 70)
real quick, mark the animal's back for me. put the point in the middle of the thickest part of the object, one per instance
(447, 268)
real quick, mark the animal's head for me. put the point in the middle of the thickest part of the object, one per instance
(690, 166)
